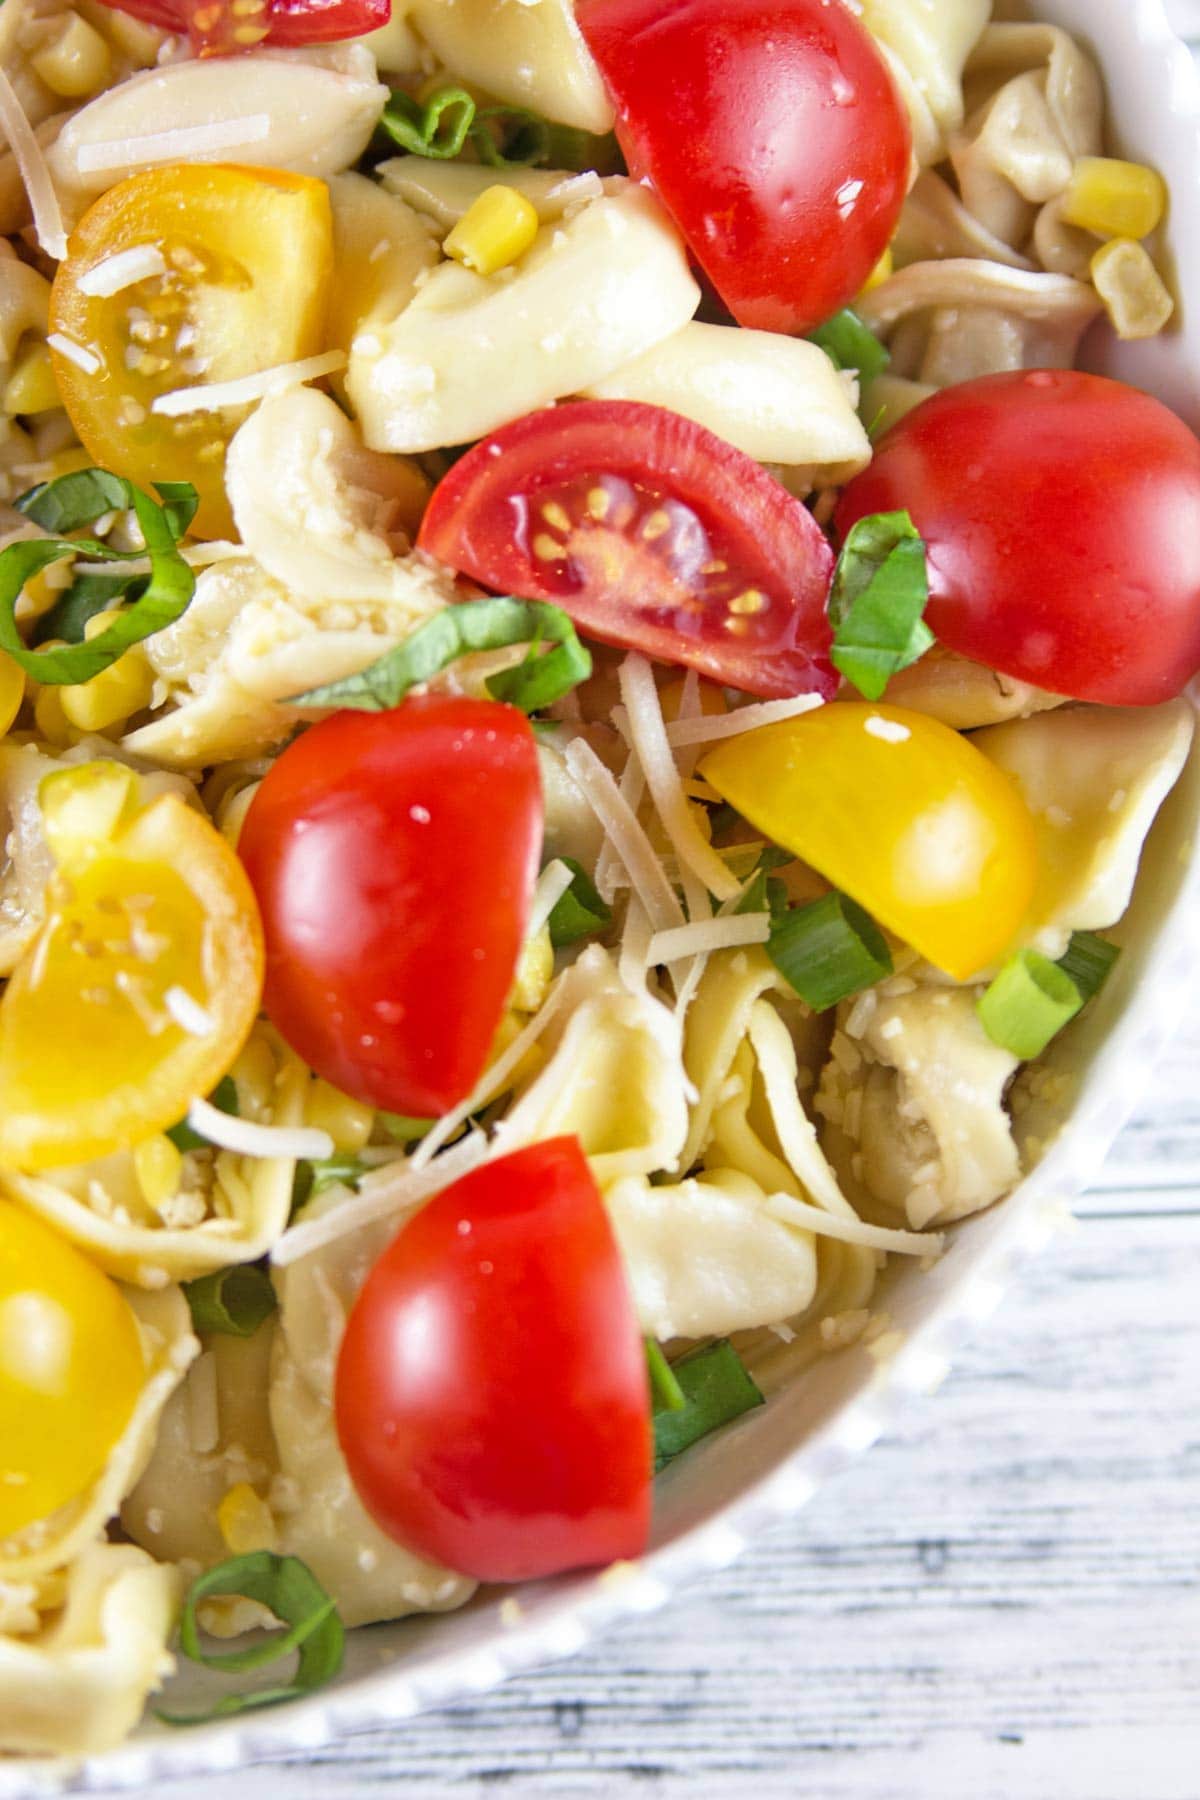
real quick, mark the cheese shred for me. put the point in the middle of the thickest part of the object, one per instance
(35, 173)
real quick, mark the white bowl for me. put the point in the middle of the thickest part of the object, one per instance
(714, 1501)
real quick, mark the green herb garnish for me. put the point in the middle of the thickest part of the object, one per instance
(666, 1395)
(828, 950)
(580, 911)
(438, 128)
(880, 590)
(225, 1098)
(766, 893)
(849, 344)
(716, 1388)
(233, 1301)
(448, 124)
(1027, 1004)
(472, 625)
(151, 601)
(1089, 962)
(402, 1127)
(290, 1590)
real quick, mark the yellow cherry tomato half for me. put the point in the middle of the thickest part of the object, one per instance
(898, 811)
(71, 1369)
(239, 271)
(101, 1042)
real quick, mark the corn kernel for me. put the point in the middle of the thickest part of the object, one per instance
(494, 231)
(50, 719)
(245, 1521)
(535, 970)
(76, 61)
(31, 387)
(348, 1122)
(114, 695)
(85, 806)
(12, 690)
(1131, 288)
(158, 1165)
(880, 273)
(1114, 199)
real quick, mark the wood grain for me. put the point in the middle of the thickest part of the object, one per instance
(1001, 1600)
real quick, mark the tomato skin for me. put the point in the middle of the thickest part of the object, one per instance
(394, 855)
(291, 22)
(493, 517)
(1062, 515)
(491, 1395)
(753, 123)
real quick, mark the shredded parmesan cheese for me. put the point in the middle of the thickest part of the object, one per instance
(187, 1013)
(853, 1231)
(553, 883)
(245, 1138)
(35, 173)
(75, 353)
(184, 143)
(124, 270)
(709, 726)
(626, 835)
(704, 936)
(213, 395)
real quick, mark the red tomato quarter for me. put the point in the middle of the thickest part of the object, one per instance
(774, 135)
(214, 26)
(394, 855)
(653, 534)
(1062, 516)
(492, 1401)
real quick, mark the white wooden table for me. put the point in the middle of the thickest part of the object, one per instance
(1000, 1602)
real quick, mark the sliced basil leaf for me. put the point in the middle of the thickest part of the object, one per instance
(289, 1590)
(458, 631)
(766, 893)
(224, 1098)
(850, 344)
(828, 950)
(87, 595)
(580, 911)
(233, 1301)
(880, 589)
(717, 1388)
(438, 128)
(1089, 962)
(154, 601)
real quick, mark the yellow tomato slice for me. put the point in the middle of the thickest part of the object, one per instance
(247, 264)
(71, 1369)
(93, 1056)
(898, 811)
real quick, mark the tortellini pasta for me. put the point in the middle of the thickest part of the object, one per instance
(964, 694)
(927, 43)
(381, 250)
(442, 192)
(590, 294)
(528, 55)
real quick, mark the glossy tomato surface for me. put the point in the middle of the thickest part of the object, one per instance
(492, 1401)
(652, 533)
(280, 22)
(1062, 516)
(394, 855)
(773, 134)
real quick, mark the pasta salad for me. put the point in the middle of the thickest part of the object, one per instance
(583, 680)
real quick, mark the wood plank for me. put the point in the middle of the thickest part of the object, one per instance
(1002, 1599)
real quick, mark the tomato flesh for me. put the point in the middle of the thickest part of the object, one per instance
(774, 136)
(215, 27)
(1062, 515)
(394, 856)
(492, 1401)
(653, 534)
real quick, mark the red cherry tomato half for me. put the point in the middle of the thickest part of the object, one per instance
(773, 134)
(394, 855)
(1062, 516)
(213, 25)
(492, 1401)
(652, 533)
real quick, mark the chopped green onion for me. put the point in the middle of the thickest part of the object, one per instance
(510, 137)
(580, 911)
(403, 1128)
(1089, 962)
(330, 1171)
(716, 1387)
(828, 950)
(766, 893)
(666, 1395)
(1027, 1004)
(439, 128)
(458, 631)
(224, 1097)
(880, 589)
(154, 601)
(288, 1588)
(233, 1301)
(849, 344)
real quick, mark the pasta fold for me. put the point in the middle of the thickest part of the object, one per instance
(927, 43)
(532, 56)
